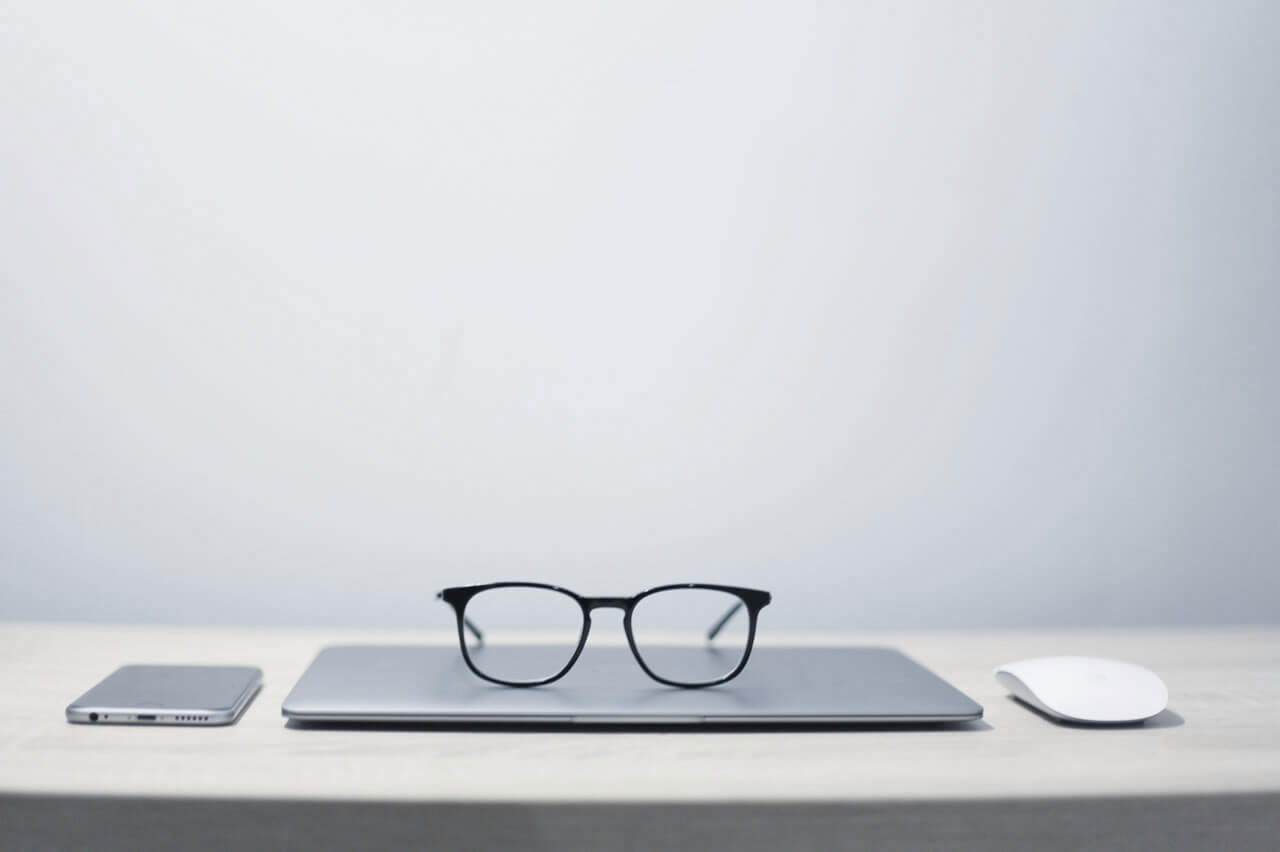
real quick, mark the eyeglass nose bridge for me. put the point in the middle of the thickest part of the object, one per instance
(605, 603)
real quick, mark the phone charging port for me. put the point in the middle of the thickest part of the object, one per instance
(146, 717)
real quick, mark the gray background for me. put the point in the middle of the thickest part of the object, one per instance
(917, 314)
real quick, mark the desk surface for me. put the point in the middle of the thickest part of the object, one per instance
(1220, 735)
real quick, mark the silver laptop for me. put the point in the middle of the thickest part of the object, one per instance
(780, 686)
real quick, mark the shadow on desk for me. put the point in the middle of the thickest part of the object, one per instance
(1241, 823)
(1166, 718)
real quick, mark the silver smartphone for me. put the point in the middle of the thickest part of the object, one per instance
(168, 695)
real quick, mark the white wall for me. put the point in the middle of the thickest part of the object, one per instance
(917, 314)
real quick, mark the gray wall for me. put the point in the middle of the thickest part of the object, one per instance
(917, 314)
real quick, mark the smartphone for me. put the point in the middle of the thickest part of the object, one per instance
(168, 695)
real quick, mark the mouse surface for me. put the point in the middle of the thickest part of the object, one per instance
(1086, 689)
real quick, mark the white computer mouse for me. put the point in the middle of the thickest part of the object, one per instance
(1086, 689)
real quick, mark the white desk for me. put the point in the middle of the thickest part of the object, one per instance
(1205, 773)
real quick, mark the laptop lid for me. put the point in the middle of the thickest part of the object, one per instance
(780, 686)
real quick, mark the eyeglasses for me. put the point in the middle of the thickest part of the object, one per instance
(650, 619)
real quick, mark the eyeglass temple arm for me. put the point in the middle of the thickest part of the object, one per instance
(466, 622)
(724, 619)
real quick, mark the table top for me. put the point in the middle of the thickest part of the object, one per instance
(1221, 733)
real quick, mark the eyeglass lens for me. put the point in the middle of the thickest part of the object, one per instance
(670, 630)
(530, 634)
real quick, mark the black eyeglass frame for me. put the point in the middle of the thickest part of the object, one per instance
(753, 600)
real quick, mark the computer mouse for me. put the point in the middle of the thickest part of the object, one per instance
(1092, 690)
